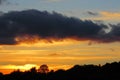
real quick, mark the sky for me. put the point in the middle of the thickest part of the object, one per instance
(59, 33)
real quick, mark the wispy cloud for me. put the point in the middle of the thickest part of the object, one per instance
(92, 13)
(105, 16)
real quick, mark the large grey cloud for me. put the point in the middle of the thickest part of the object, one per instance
(52, 25)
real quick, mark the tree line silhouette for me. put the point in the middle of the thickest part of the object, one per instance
(109, 71)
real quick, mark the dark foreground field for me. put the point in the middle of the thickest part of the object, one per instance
(109, 71)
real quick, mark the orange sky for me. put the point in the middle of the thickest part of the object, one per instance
(29, 50)
(60, 54)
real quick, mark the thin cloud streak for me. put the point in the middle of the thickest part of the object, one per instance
(105, 16)
(92, 13)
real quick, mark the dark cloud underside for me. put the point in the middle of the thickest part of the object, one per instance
(52, 25)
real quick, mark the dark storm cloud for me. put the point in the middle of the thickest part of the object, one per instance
(115, 30)
(114, 33)
(92, 13)
(50, 25)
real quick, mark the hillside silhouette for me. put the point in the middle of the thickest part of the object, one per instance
(109, 71)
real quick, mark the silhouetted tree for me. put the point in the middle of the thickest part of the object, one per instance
(33, 70)
(109, 71)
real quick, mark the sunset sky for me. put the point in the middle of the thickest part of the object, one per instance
(59, 33)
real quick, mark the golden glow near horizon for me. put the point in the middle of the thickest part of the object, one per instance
(58, 54)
